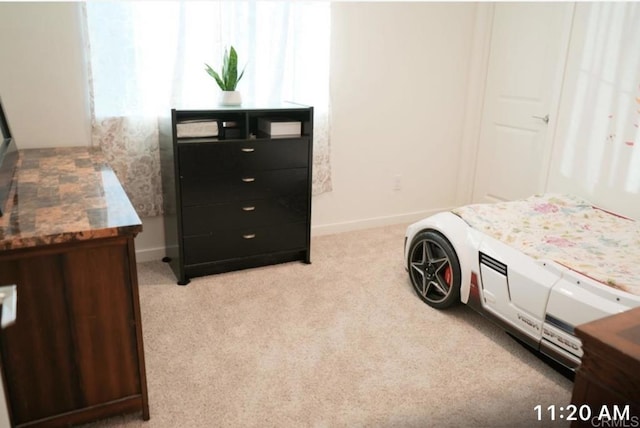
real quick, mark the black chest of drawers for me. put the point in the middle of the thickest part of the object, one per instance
(240, 198)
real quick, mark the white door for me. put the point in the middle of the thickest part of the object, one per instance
(528, 50)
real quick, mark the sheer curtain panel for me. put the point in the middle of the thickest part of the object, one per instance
(145, 58)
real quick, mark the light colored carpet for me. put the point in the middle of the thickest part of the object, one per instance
(341, 342)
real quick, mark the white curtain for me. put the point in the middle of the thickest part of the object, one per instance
(145, 58)
(600, 146)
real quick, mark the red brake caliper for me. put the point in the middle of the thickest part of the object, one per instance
(447, 274)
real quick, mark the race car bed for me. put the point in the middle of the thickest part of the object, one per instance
(538, 266)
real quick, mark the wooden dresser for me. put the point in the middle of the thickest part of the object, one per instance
(241, 198)
(609, 374)
(75, 353)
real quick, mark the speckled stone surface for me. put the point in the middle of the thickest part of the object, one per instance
(63, 195)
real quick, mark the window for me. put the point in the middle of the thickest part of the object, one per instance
(147, 57)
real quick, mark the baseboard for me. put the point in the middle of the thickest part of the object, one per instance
(327, 229)
(150, 254)
(157, 253)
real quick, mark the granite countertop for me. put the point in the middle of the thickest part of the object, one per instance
(64, 195)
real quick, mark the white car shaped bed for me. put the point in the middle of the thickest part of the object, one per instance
(538, 267)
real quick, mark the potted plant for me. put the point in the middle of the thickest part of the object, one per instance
(228, 78)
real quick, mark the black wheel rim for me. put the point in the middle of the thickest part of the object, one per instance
(431, 271)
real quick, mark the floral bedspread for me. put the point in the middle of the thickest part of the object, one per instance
(567, 230)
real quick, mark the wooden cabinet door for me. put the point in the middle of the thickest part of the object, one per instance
(101, 309)
(37, 351)
(73, 345)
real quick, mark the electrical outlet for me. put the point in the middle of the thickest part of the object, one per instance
(397, 182)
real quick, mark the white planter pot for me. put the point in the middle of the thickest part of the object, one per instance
(230, 98)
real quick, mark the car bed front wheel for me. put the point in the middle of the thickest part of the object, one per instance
(434, 269)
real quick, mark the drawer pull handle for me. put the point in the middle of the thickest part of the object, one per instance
(249, 236)
(248, 179)
(248, 208)
(248, 149)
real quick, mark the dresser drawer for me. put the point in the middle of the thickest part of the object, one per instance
(204, 219)
(230, 244)
(205, 190)
(206, 159)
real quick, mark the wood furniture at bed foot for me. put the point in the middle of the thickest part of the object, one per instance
(236, 196)
(75, 352)
(608, 378)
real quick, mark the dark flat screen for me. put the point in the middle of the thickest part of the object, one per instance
(8, 160)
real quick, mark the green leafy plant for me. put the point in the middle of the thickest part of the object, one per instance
(228, 79)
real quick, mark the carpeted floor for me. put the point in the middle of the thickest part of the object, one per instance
(341, 342)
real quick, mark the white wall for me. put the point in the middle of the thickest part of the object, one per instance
(42, 78)
(398, 91)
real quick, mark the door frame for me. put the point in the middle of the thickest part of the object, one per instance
(476, 84)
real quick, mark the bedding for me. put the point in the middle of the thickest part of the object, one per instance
(568, 230)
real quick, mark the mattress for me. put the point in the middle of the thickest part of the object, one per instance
(568, 230)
